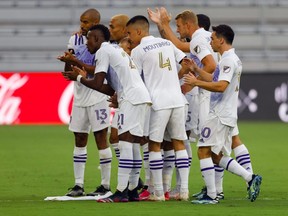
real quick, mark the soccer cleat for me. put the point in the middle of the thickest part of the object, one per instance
(133, 195)
(75, 191)
(200, 194)
(205, 200)
(184, 196)
(100, 191)
(220, 196)
(154, 197)
(118, 196)
(254, 187)
(175, 194)
(167, 196)
(144, 195)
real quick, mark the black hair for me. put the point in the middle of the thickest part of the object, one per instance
(103, 29)
(224, 31)
(204, 21)
(138, 18)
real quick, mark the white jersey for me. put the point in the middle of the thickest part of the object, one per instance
(200, 47)
(224, 105)
(156, 60)
(122, 74)
(84, 96)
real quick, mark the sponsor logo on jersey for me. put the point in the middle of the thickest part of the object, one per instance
(226, 69)
(197, 49)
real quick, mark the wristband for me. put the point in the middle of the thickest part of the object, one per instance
(79, 78)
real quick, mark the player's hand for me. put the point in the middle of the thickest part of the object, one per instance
(186, 88)
(67, 57)
(82, 71)
(190, 64)
(190, 79)
(70, 75)
(113, 101)
(165, 17)
(154, 16)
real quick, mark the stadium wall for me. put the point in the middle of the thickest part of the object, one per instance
(46, 98)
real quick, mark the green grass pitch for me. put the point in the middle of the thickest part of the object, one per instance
(36, 162)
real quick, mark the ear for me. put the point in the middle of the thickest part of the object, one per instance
(138, 31)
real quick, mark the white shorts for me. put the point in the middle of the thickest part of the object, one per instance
(192, 119)
(204, 106)
(235, 131)
(216, 135)
(172, 120)
(92, 118)
(115, 119)
(133, 118)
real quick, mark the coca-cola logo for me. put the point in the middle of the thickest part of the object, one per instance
(9, 104)
(64, 102)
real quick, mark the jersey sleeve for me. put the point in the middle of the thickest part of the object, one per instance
(71, 42)
(227, 68)
(199, 48)
(101, 61)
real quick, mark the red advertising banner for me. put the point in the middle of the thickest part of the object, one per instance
(35, 98)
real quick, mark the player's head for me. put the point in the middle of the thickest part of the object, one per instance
(96, 36)
(117, 27)
(88, 19)
(125, 43)
(204, 21)
(186, 23)
(137, 28)
(222, 36)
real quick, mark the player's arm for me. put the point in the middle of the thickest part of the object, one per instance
(162, 19)
(219, 86)
(97, 83)
(69, 58)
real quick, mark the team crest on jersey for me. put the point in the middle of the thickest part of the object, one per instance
(226, 69)
(197, 49)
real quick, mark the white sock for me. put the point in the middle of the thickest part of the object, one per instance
(182, 164)
(156, 167)
(243, 157)
(116, 150)
(105, 156)
(208, 174)
(168, 166)
(219, 173)
(231, 165)
(79, 158)
(189, 150)
(146, 164)
(125, 164)
(137, 164)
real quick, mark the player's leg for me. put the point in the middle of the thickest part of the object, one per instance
(176, 129)
(80, 126)
(168, 167)
(113, 138)
(241, 152)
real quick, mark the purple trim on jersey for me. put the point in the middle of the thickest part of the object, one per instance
(76, 39)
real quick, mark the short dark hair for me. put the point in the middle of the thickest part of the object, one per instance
(224, 31)
(138, 18)
(204, 21)
(103, 29)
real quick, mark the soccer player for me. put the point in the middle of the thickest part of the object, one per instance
(156, 59)
(117, 28)
(134, 102)
(90, 110)
(215, 139)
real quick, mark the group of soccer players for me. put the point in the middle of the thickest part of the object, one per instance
(163, 100)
